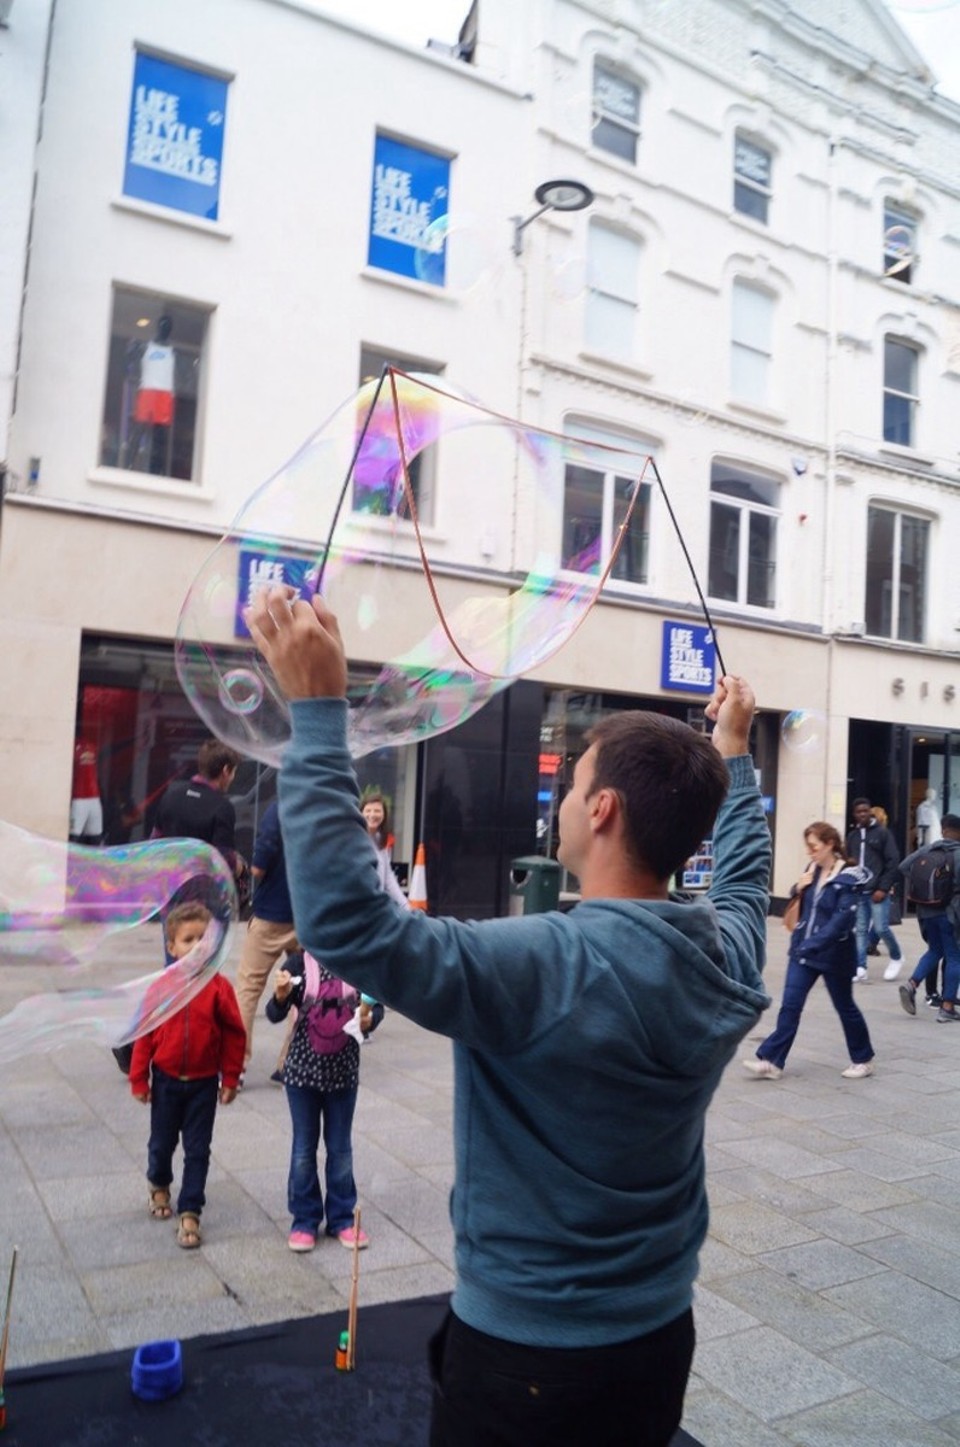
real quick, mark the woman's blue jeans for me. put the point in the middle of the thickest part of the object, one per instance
(333, 1110)
(796, 987)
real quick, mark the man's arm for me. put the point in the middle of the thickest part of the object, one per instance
(888, 873)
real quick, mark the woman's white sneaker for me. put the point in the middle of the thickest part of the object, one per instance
(859, 1071)
(762, 1069)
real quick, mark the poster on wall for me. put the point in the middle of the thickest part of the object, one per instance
(688, 658)
(175, 137)
(408, 211)
(265, 570)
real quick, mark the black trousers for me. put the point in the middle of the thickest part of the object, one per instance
(493, 1393)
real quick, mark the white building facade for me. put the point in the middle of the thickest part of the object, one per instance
(237, 211)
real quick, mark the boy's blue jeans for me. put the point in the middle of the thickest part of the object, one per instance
(309, 1109)
(181, 1110)
(941, 945)
(877, 915)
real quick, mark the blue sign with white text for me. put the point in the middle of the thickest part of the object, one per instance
(262, 570)
(175, 141)
(689, 658)
(408, 211)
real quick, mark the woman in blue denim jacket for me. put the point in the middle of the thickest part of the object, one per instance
(823, 943)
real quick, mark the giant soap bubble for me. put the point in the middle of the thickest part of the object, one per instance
(437, 532)
(60, 903)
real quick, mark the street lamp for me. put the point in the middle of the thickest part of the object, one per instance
(552, 196)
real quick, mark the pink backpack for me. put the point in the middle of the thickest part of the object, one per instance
(328, 1004)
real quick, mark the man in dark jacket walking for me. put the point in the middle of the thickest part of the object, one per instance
(872, 846)
(938, 924)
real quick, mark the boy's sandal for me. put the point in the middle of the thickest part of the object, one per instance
(188, 1231)
(158, 1203)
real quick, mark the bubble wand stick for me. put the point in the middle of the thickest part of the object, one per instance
(693, 572)
(6, 1338)
(354, 1288)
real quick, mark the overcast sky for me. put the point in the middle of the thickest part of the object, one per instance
(933, 26)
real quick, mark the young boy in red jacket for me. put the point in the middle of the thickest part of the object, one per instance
(181, 1069)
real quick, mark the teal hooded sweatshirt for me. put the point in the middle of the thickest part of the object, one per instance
(587, 1047)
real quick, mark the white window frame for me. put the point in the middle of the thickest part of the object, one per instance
(742, 177)
(751, 342)
(423, 468)
(912, 398)
(891, 587)
(609, 473)
(747, 508)
(613, 288)
(617, 119)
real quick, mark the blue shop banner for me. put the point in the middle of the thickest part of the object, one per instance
(408, 211)
(689, 658)
(175, 143)
(262, 570)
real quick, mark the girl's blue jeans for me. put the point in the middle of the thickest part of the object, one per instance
(331, 1111)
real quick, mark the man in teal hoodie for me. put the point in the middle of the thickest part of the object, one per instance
(587, 1047)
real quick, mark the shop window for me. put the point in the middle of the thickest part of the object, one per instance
(616, 113)
(150, 411)
(595, 506)
(900, 395)
(896, 591)
(175, 136)
(752, 174)
(743, 537)
(613, 271)
(899, 244)
(751, 345)
(378, 495)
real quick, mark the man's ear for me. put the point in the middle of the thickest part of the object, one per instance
(604, 810)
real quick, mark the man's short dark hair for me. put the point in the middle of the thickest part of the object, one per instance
(950, 821)
(671, 782)
(213, 757)
(857, 802)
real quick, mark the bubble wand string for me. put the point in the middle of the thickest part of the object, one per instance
(347, 476)
(693, 571)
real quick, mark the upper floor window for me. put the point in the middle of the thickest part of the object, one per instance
(900, 396)
(751, 346)
(175, 136)
(896, 574)
(613, 270)
(377, 493)
(616, 113)
(409, 211)
(152, 393)
(596, 500)
(743, 537)
(752, 175)
(899, 243)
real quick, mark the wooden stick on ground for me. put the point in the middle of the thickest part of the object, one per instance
(354, 1288)
(6, 1319)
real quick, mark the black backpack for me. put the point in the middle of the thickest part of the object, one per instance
(931, 878)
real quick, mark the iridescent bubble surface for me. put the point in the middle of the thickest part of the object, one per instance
(803, 730)
(58, 906)
(452, 564)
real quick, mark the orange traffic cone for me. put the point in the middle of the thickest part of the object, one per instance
(417, 895)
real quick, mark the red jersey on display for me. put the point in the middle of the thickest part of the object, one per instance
(85, 785)
(154, 402)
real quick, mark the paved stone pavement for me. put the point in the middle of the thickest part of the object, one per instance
(828, 1308)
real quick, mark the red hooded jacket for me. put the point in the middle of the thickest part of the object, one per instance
(205, 1038)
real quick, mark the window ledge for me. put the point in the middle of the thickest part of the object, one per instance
(627, 369)
(750, 409)
(408, 283)
(173, 218)
(149, 483)
(377, 524)
(905, 454)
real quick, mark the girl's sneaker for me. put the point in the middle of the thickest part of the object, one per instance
(301, 1240)
(349, 1236)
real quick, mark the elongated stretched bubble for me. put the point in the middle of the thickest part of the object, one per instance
(467, 550)
(59, 906)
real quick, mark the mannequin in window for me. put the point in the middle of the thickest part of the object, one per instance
(155, 400)
(86, 810)
(928, 820)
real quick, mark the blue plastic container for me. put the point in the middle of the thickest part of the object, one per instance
(157, 1370)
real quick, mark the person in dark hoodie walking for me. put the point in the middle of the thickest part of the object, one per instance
(938, 915)
(587, 1047)
(872, 847)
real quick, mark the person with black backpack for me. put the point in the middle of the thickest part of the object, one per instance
(933, 885)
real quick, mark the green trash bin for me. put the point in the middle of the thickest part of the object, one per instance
(534, 884)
